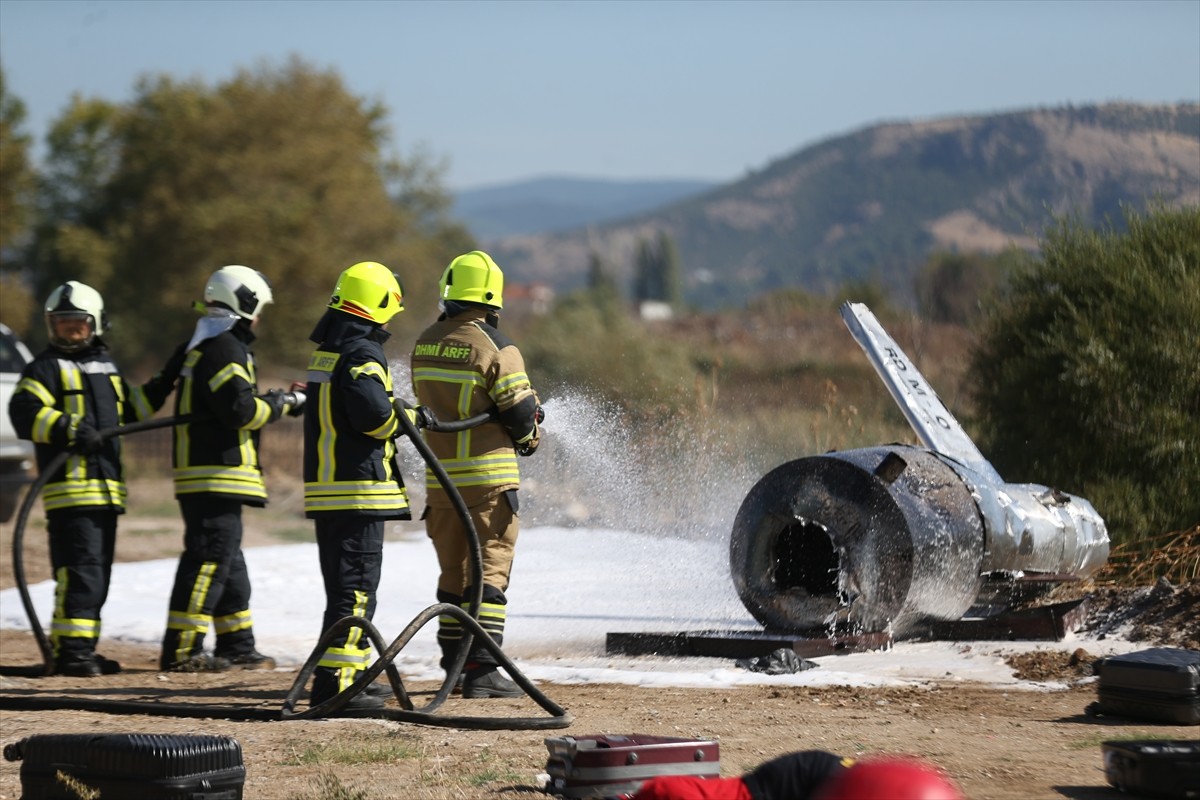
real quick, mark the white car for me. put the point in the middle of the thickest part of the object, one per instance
(16, 455)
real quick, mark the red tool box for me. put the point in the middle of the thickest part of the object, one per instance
(610, 765)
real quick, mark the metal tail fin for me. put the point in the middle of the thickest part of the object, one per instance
(933, 423)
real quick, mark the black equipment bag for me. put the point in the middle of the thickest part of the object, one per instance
(1154, 768)
(129, 766)
(613, 765)
(1160, 684)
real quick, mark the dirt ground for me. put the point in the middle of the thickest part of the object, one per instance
(998, 744)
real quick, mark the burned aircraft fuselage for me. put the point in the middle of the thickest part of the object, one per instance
(887, 538)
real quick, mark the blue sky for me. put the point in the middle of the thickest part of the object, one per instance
(622, 89)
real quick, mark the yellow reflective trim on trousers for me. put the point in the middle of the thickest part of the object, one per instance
(492, 616)
(182, 621)
(77, 628)
(354, 636)
(61, 578)
(201, 586)
(342, 657)
(229, 623)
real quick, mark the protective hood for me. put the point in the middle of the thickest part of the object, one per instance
(336, 328)
(214, 322)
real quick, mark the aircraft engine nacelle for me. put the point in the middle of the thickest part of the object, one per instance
(866, 540)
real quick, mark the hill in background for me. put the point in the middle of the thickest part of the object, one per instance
(545, 205)
(873, 204)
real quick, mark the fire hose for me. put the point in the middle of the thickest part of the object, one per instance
(387, 652)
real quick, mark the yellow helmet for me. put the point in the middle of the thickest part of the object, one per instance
(473, 278)
(368, 290)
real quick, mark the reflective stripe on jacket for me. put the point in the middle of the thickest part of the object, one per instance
(350, 464)
(218, 454)
(59, 390)
(462, 367)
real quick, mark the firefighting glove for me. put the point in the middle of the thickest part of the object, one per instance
(277, 400)
(420, 417)
(530, 445)
(87, 439)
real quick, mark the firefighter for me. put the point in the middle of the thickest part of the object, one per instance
(65, 397)
(216, 472)
(352, 479)
(462, 366)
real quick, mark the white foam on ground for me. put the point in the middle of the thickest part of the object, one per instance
(570, 587)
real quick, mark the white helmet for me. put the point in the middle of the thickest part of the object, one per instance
(75, 299)
(242, 290)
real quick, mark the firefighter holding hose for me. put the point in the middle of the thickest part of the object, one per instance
(65, 397)
(352, 479)
(463, 366)
(216, 473)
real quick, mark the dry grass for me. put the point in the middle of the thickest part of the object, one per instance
(1174, 556)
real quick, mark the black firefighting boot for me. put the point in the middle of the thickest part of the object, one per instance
(325, 687)
(485, 680)
(79, 660)
(238, 649)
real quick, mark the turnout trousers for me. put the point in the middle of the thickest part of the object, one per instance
(497, 525)
(212, 585)
(351, 553)
(82, 543)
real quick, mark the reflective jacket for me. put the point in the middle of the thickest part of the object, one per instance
(58, 390)
(218, 453)
(350, 424)
(462, 367)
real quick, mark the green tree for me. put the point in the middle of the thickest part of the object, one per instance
(17, 178)
(656, 273)
(600, 283)
(1087, 373)
(280, 169)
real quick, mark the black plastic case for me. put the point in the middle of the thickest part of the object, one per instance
(130, 766)
(1160, 684)
(1154, 768)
